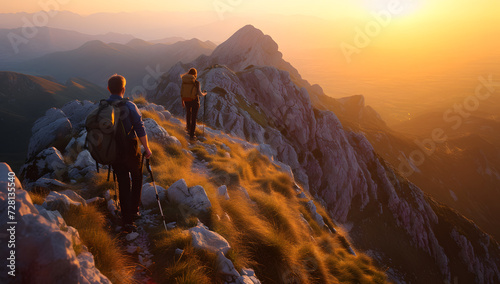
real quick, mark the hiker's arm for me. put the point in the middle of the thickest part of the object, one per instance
(200, 93)
(145, 144)
(139, 129)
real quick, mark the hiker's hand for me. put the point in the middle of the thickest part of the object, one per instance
(183, 105)
(147, 153)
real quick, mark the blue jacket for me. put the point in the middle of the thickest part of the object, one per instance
(133, 121)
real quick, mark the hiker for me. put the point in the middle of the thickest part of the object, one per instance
(128, 164)
(190, 94)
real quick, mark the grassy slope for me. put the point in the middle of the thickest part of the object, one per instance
(266, 232)
(265, 229)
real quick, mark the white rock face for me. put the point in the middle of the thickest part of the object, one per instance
(194, 198)
(148, 195)
(60, 202)
(208, 240)
(48, 129)
(44, 253)
(157, 133)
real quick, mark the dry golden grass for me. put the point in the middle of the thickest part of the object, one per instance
(109, 258)
(264, 228)
(141, 100)
(37, 197)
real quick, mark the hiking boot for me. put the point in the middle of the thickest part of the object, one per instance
(136, 216)
(129, 228)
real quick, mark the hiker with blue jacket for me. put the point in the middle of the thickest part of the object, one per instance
(128, 164)
(190, 94)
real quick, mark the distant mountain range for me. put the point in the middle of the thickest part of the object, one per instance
(20, 44)
(24, 98)
(139, 61)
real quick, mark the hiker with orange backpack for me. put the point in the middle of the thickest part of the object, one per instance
(114, 130)
(190, 94)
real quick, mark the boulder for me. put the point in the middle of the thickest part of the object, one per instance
(76, 145)
(59, 201)
(45, 253)
(167, 115)
(194, 198)
(203, 238)
(247, 277)
(159, 134)
(84, 160)
(49, 130)
(48, 183)
(49, 161)
(77, 112)
(226, 268)
(74, 196)
(222, 191)
(148, 195)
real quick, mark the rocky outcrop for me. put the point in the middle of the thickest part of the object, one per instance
(193, 200)
(148, 196)
(49, 130)
(158, 134)
(264, 105)
(44, 244)
(203, 238)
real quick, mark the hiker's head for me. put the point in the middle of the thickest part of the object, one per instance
(116, 84)
(193, 72)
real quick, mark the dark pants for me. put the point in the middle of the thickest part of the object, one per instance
(191, 115)
(129, 167)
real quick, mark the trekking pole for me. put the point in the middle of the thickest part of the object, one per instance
(148, 166)
(204, 112)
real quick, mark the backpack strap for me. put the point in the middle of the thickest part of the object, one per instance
(109, 171)
(97, 167)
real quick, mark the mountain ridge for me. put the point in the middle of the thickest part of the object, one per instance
(337, 165)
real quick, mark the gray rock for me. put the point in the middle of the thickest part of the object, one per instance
(204, 239)
(84, 160)
(48, 130)
(148, 196)
(317, 217)
(222, 191)
(48, 183)
(226, 268)
(167, 115)
(49, 161)
(46, 252)
(77, 112)
(157, 133)
(58, 201)
(74, 196)
(194, 198)
(248, 276)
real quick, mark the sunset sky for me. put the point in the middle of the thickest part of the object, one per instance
(411, 40)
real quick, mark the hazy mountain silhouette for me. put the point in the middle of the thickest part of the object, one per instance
(44, 40)
(137, 60)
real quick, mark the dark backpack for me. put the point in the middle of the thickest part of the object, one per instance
(105, 131)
